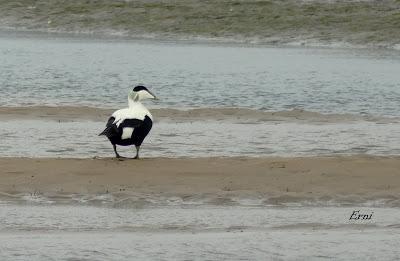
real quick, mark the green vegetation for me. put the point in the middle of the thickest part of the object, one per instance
(366, 22)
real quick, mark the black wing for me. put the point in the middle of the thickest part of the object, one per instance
(112, 130)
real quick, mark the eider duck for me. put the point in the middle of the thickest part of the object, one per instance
(130, 126)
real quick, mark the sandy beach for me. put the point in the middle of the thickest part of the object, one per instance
(353, 179)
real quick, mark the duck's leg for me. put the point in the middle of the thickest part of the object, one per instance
(116, 153)
(137, 152)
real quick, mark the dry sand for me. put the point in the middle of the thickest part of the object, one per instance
(352, 179)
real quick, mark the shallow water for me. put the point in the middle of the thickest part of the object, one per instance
(30, 138)
(64, 71)
(196, 233)
(276, 245)
(37, 71)
(76, 72)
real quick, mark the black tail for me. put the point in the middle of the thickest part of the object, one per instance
(106, 131)
(110, 129)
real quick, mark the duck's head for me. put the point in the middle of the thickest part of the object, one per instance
(140, 93)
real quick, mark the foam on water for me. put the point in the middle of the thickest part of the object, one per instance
(133, 200)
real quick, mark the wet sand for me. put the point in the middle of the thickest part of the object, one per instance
(79, 113)
(352, 179)
(317, 22)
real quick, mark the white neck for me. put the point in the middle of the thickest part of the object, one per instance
(139, 108)
(133, 103)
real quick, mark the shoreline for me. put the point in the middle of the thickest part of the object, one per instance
(193, 40)
(343, 180)
(246, 115)
(343, 24)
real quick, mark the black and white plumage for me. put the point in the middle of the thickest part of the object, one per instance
(131, 125)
